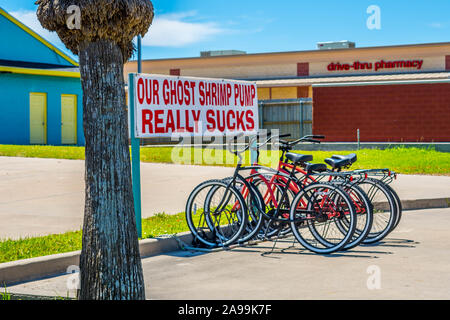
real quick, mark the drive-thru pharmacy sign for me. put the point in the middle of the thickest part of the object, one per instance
(168, 105)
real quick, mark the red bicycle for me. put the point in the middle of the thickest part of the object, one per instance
(271, 186)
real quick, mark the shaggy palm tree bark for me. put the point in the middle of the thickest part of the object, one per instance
(110, 262)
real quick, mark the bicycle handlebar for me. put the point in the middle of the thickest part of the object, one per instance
(235, 139)
(309, 138)
(312, 140)
(252, 141)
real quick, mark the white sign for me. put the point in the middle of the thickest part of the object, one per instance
(167, 105)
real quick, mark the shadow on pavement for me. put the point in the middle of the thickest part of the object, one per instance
(394, 243)
(287, 246)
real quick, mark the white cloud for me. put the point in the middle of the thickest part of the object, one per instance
(171, 31)
(168, 30)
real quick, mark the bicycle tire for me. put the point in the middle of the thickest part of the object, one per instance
(384, 209)
(311, 198)
(398, 203)
(255, 206)
(364, 213)
(210, 231)
(267, 230)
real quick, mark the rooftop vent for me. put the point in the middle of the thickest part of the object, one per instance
(221, 53)
(345, 44)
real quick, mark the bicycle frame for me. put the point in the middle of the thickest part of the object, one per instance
(290, 182)
(294, 186)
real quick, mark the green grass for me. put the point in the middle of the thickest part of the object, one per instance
(49, 152)
(163, 224)
(5, 296)
(12, 250)
(401, 159)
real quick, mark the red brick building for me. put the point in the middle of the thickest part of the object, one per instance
(410, 111)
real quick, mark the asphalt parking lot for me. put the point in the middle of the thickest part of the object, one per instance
(412, 263)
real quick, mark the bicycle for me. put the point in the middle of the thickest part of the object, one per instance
(271, 197)
(316, 208)
(379, 192)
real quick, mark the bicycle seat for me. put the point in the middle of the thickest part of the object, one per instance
(317, 167)
(298, 158)
(338, 163)
(351, 157)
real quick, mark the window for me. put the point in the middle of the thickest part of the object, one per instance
(303, 69)
(175, 72)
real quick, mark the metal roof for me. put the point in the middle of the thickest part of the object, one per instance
(312, 51)
(296, 82)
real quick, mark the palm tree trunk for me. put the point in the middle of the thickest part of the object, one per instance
(110, 263)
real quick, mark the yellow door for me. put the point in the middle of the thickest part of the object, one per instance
(38, 118)
(68, 119)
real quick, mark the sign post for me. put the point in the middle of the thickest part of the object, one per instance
(161, 106)
(135, 157)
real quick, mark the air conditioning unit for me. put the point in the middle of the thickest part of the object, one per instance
(331, 45)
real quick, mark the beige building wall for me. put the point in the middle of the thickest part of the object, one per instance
(284, 65)
(280, 93)
(264, 94)
(284, 93)
(242, 71)
(434, 63)
(233, 70)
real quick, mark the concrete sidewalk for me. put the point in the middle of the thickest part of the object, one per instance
(412, 263)
(46, 196)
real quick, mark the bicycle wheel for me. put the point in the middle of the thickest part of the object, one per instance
(272, 200)
(314, 212)
(216, 213)
(255, 205)
(398, 204)
(364, 212)
(384, 209)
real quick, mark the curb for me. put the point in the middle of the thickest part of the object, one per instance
(41, 267)
(36, 268)
(422, 204)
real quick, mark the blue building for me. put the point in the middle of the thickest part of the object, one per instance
(40, 89)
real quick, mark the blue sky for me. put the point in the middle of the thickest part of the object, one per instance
(183, 28)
